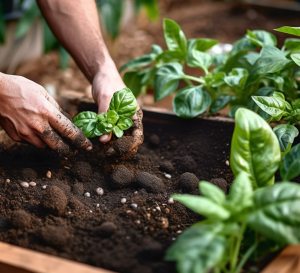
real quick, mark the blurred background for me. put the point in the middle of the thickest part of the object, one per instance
(28, 47)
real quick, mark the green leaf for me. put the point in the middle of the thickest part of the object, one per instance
(296, 58)
(233, 109)
(64, 57)
(124, 103)
(289, 30)
(290, 166)
(271, 60)
(203, 206)
(261, 38)
(156, 49)
(220, 103)
(275, 107)
(125, 123)
(87, 122)
(139, 62)
(292, 44)
(279, 81)
(133, 80)
(242, 45)
(27, 20)
(166, 80)
(118, 132)
(199, 248)
(276, 213)
(254, 148)
(102, 117)
(212, 192)
(2, 26)
(191, 101)
(237, 77)
(105, 127)
(112, 116)
(49, 39)
(202, 44)
(286, 134)
(174, 37)
(240, 194)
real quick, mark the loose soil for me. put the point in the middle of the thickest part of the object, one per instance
(100, 230)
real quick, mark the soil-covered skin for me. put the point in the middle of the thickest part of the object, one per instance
(60, 219)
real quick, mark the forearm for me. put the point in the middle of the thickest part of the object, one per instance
(76, 26)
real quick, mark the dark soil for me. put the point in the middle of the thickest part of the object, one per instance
(100, 230)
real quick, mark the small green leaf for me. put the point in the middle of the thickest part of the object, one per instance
(87, 122)
(199, 59)
(203, 206)
(202, 44)
(104, 127)
(220, 103)
(166, 80)
(139, 62)
(199, 248)
(237, 77)
(133, 80)
(112, 116)
(271, 60)
(174, 37)
(286, 134)
(117, 131)
(290, 166)
(125, 123)
(102, 117)
(156, 49)
(124, 103)
(292, 44)
(254, 148)
(212, 192)
(289, 30)
(261, 38)
(276, 212)
(191, 101)
(296, 58)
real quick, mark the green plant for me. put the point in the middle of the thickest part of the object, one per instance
(253, 205)
(227, 79)
(122, 107)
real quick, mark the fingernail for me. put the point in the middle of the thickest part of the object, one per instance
(104, 138)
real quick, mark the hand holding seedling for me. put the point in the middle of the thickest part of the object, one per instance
(29, 115)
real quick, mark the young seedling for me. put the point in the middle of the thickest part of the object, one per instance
(122, 107)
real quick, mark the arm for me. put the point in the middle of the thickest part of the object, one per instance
(77, 28)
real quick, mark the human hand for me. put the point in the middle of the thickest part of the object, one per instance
(103, 88)
(29, 114)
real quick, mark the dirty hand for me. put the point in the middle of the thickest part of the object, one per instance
(29, 114)
(104, 86)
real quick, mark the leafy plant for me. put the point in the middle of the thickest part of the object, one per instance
(253, 204)
(227, 79)
(122, 107)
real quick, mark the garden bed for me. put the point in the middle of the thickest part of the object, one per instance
(142, 234)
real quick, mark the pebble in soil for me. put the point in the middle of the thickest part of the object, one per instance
(187, 164)
(121, 177)
(188, 182)
(82, 171)
(78, 189)
(154, 140)
(29, 174)
(20, 219)
(220, 183)
(56, 236)
(150, 182)
(54, 200)
(107, 229)
(166, 166)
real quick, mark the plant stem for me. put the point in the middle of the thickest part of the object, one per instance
(237, 247)
(245, 257)
(193, 79)
(188, 82)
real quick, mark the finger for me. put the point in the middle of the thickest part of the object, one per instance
(37, 142)
(10, 129)
(51, 99)
(105, 138)
(54, 141)
(64, 126)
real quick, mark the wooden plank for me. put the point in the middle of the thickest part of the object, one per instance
(14, 259)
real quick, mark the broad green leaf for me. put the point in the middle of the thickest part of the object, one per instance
(275, 107)
(148, 76)
(102, 117)
(212, 192)
(169, 56)
(64, 58)
(133, 80)
(233, 109)
(289, 30)
(292, 44)
(105, 127)
(277, 212)
(166, 80)
(174, 36)
(199, 248)
(286, 134)
(237, 77)
(254, 149)
(271, 60)
(240, 194)
(203, 206)
(87, 122)
(191, 101)
(117, 131)
(112, 116)
(242, 45)
(139, 62)
(219, 59)
(125, 123)
(220, 103)
(247, 61)
(2, 26)
(296, 58)
(124, 103)
(202, 44)
(27, 20)
(217, 79)
(290, 166)
(279, 81)
(261, 38)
